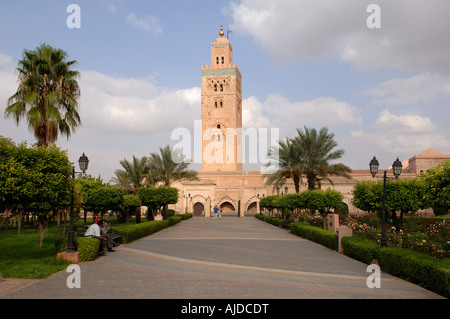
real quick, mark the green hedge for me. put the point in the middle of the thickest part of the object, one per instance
(187, 216)
(271, 220)
(260, 216)
(87, 247)
(321, 236)
(421, 269)
(137, 231)
(174, 220)
(360, 248)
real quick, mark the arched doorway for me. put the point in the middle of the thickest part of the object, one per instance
(252, 209)
(228, 209)
(199, 209)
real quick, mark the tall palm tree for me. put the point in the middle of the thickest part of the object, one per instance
(317, 153)
(169, 166)
(122, 180)
(287, 157)
(135, 173)
(47, 95)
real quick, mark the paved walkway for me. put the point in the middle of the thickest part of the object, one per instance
(228, 258)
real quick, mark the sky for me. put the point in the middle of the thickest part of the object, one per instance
(378, 77)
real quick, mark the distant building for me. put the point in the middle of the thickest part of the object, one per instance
(222, 181)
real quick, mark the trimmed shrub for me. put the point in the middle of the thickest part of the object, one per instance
(137, 231)
(87, 247)
(170, 212)
(421, 269)
(261, 217)
(360, 248)
(321, 236)
(174, 220)
(274, 221)
(187, 216)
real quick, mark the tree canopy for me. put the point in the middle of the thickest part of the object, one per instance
(36, 180)
(310, 154)
(47, 95)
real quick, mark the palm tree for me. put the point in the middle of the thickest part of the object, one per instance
(287, 157)
(122, 180)
(317, 153)
(47, 95)
(169, 166)
(135, 174)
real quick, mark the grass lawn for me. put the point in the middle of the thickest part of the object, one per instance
(21, 256)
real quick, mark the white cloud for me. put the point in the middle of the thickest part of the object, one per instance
(323, 111)
(413, 34)
(400, 135)
(6, 61)
(421, 88)
(129, 106)
(404, 124)
(278, 112)
(148, 23)
(253, 114)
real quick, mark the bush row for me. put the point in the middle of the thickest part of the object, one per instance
(321, 236)
(137, 231)
(187, 216)
(421, 269)
(88, 247)
(271, 220)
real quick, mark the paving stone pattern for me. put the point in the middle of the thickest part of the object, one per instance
(237, 258)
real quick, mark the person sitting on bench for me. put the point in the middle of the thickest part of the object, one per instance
(95, 232)
(104, 233)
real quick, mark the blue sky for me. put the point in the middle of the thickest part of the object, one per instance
(314, 63)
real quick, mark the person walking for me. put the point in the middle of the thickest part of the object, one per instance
(216, 209)
(220, 212)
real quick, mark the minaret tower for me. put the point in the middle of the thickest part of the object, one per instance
(221, 110)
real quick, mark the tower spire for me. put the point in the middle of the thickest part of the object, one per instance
(221, 33)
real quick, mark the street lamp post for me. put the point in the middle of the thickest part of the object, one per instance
(83, 162)
(397, 170)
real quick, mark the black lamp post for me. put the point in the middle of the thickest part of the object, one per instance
(397, 170)
(83, 162)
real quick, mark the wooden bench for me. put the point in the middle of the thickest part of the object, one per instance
(116, 235)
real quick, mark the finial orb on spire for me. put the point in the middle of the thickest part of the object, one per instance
(221, 33)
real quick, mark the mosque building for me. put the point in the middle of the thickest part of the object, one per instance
(222, 181)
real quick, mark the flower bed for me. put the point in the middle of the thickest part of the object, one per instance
(420, 234)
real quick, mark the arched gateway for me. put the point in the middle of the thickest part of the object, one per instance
(199, 209)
